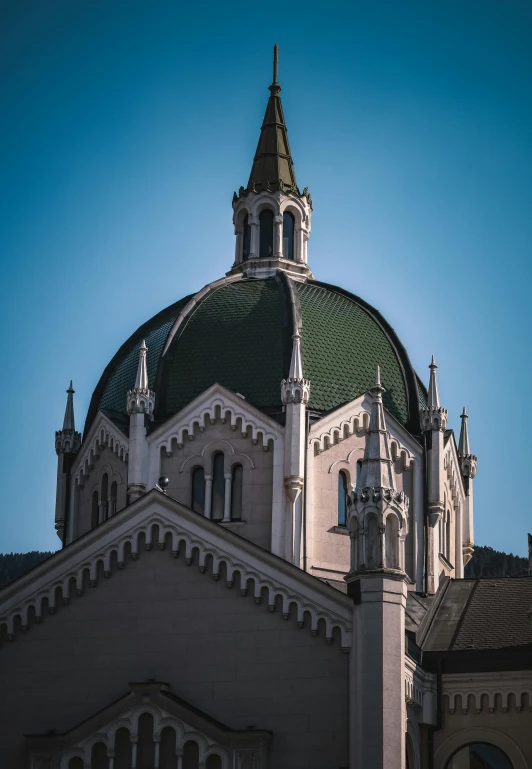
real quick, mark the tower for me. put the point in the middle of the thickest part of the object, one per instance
(67, 444)
(378, 524)
(140, 407)
(433, 423)
(295, 392)
(468, 466)
(272, 217)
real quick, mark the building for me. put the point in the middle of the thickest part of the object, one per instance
(265, 528)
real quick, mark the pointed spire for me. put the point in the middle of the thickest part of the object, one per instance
(141, 382)
(433, 416)
(67, 440)
(295, 389)
(433, 395)
(141, 400)
(68, 422)
(463, 446)
(377, 462)
(273, 168)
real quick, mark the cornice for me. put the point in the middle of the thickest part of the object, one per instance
(162, 522)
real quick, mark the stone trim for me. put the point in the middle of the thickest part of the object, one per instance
(103, 434)
(470, 688)
(160, 521)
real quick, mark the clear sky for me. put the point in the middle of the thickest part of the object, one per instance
(127, 125)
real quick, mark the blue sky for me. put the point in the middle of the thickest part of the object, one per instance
(126, 126)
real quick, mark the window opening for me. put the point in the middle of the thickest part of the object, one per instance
(218, 487)
(288, 235)
(266, 232)
(479, 755)
(342, 498)
(236, 493)
(198, 490)
(105, 495)
(246, 239)
(114, 493)
(95, 510)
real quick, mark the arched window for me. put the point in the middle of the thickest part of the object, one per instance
(168, 742)
(146, 744)
(359, 473)
(114, 493)
(198, 490)
(190, 755)
(99, 758)
(236, 493)
(288, 235)
(246, 238)
(213, 762)
(479, 755)
(266, 232)
(95, 510)
(218, 487)
(372, 537)
(104, 500)
(122, 749)
(342, 498)
(391, 542)
(76, 763)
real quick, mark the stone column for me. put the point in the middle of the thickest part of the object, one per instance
(227, 498)
(377, 708)
(239, 232)
(208, 496)
(254, 240)
(278, 236)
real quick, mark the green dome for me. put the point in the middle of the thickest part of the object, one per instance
(239, 334)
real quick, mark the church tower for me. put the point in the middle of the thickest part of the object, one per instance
(272, 217)
(67, 444)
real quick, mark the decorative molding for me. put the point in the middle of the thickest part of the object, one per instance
(103, 434)
(216, 404)
(463, 693)
(215, 444)
(160, 521)
(451, 465)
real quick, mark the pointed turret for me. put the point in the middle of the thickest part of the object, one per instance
(273, 167)
(433, 417)
(295, 389)
(67, 444)
(140, 405)
(377, 463)
(468, 467)
(271, 216)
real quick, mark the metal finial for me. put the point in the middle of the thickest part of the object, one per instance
(275, 62)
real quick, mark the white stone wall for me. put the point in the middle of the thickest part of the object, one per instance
(257, 480)
(158, 618)
(109, 463)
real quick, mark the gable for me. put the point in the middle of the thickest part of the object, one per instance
(237, 654)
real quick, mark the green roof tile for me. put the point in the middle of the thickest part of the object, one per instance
(236, 338)
(342, 346)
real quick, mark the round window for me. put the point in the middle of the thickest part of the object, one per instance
(479, 755)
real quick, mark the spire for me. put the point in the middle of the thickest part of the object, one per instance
(377, 462)
(463, 446)
(273, 168)
(433, 416)
(295, 389)
(141, 400)
(468, 461)
(68, 422)
(67, 440)
(433, 396)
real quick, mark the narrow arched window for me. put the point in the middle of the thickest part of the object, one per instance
(236, 493)
(391, 542)
(342, 498)
(114, 492)
(213, 762)
(104, 501)
(266, 232)
(246, 238)
(448, 536)
(198, 490)
(99, 758)
(359, 473)
(190, 755)
(218, 487)
(94, 510)
(288, 235)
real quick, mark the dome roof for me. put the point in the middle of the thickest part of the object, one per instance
(239, 334)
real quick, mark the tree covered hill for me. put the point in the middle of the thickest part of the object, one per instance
(486, 562)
